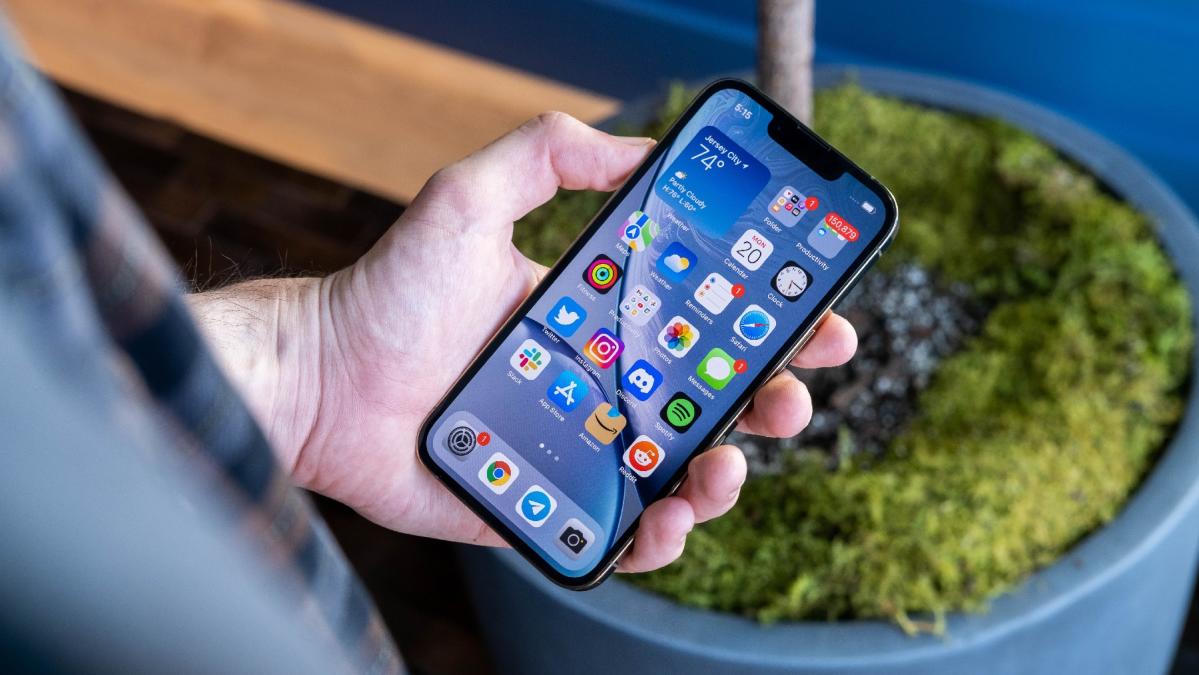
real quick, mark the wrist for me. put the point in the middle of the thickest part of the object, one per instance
(265, 335)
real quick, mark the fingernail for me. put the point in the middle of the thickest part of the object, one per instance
(635, 140)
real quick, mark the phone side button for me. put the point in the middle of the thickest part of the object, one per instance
(732, 424)
(799, 346)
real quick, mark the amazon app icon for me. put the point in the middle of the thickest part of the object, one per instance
(605, 423)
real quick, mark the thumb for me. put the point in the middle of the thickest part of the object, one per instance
(524, 168)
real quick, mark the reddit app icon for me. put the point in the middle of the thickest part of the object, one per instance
(643, 456)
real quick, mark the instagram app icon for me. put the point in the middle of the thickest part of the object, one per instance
(603, 348)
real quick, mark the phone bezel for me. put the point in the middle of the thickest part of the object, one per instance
(809, 148)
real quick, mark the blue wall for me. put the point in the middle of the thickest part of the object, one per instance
(1129, 70)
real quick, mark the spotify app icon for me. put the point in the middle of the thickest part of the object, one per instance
(680, 412)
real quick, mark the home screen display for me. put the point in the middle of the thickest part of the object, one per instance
(676, 303)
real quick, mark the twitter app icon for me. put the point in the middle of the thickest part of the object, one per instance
(566, 316)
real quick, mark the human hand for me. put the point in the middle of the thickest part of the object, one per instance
(366, 353)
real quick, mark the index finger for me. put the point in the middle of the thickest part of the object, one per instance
(833, 344)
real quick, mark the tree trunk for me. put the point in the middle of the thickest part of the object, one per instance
(786, 41)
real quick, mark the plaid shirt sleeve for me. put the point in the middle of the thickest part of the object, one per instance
(107, 307)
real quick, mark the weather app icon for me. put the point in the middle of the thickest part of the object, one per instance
(711, 182)
(676, 262)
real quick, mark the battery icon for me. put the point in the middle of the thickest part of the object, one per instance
(868, 207)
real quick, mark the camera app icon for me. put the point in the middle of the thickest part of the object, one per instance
(575, 538)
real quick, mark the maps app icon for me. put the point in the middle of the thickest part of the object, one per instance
(639, 231)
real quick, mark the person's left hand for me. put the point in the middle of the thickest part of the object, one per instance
(362, 356)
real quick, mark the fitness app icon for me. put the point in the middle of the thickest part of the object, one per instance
(602, 274)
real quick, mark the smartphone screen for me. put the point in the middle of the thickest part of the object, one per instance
(686, 293)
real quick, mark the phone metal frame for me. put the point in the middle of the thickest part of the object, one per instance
(796, 138)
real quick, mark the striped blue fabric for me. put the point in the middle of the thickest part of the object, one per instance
(89, 286)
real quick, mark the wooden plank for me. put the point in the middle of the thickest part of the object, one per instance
(369, 107)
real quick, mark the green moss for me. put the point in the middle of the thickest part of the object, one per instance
(1031, 436)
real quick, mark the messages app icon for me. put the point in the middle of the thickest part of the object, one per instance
(566, 316)
(717, 369)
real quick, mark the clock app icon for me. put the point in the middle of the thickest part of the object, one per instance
(791, 281)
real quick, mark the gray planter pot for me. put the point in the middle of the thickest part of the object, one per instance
(1114, 604)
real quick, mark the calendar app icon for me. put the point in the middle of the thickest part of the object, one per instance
(751, 250)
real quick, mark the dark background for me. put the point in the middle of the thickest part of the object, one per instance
(1126, 70)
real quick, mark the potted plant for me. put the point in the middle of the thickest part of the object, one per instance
(1004, 483)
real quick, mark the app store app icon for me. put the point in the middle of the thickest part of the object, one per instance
(567, 391)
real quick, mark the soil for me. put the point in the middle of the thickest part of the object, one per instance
(906, 322)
